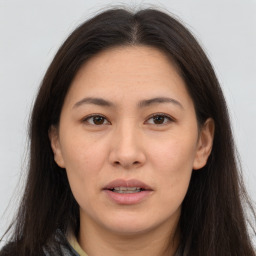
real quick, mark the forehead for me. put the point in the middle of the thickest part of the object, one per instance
(126, 60)
(128, 71)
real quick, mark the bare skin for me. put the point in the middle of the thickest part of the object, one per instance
(128, 116)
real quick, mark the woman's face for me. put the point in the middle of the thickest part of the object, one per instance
(129, 139)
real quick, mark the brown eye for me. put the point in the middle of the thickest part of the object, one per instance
(96, 120)
(159, 119)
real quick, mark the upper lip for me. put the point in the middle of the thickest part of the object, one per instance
(127, 183)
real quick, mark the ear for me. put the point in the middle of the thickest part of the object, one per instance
(55, 144)
(204, 144)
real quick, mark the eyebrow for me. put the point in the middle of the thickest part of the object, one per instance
(95, 101)
(141, 104)
(157, 100)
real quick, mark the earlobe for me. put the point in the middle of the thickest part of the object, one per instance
(55, 145)
(205, 142)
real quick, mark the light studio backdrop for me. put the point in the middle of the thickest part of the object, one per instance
(31, 32)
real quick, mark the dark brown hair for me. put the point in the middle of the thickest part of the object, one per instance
(213, 220)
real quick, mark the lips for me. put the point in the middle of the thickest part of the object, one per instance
(127, 186)
(127, 192)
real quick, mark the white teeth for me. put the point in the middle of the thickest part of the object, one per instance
(127, 189)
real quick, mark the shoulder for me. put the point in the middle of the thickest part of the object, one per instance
(57, 246)
(12, 249)
(9, 249)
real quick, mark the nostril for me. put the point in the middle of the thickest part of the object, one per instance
(135, 163)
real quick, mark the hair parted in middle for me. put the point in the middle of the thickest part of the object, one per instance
(212, 217)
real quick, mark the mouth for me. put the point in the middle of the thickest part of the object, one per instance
(127, 186)
(126, 190)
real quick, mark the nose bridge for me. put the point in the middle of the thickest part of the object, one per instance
(127, 149)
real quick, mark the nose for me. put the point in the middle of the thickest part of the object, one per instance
(127, 150)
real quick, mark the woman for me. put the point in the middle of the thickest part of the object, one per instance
(131, 148)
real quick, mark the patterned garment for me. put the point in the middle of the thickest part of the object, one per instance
(70, 247)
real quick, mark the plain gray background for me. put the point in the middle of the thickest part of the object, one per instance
(31, 32)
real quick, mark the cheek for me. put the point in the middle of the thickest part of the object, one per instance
(175, 154)
(173, 160)
(83, 153)
(83, 160)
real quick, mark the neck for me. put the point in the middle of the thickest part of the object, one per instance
(159, 241)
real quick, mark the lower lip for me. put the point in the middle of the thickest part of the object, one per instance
(129, 198)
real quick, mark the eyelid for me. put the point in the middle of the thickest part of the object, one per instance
(170, 118)
(167, 116)
(85, 119)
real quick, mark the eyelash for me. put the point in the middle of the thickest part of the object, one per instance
(168, 119)
(94, 116)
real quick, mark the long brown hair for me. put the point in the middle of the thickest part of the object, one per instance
(213, 220)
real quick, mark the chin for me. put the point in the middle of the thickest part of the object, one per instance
(130, 225)
(129, 230)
